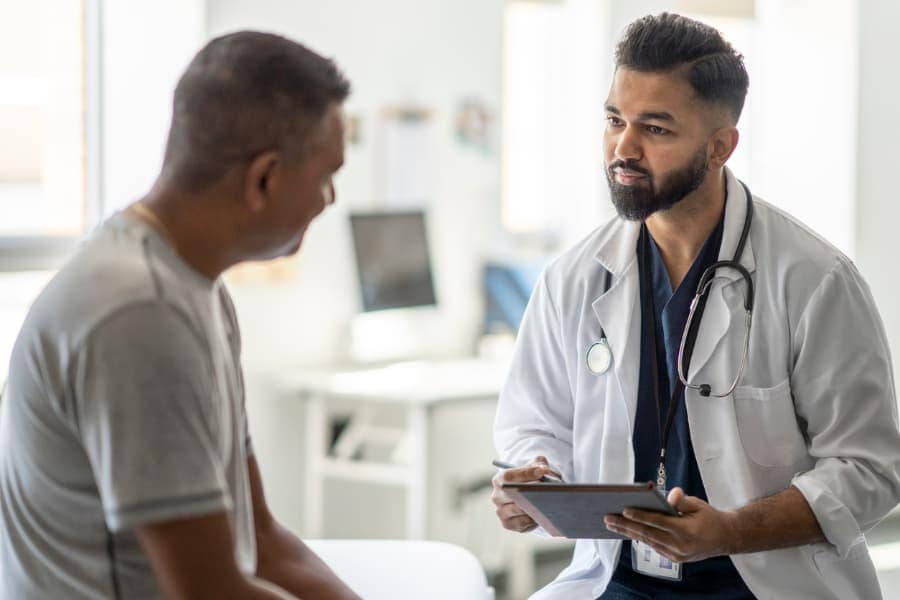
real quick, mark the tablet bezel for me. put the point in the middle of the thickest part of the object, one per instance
(527, 495)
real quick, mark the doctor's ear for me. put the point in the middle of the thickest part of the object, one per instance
(721, 145)
(261, 179)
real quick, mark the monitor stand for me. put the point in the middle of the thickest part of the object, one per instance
(398, 334)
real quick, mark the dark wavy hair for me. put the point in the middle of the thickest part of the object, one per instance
(670, 42)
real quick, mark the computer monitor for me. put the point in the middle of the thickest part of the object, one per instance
(392, 260)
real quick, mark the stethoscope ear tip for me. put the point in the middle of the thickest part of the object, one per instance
(705, 390)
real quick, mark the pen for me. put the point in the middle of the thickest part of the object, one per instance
(549, 478)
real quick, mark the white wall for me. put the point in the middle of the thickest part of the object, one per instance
(555, 85)
(145, 47)
(434, 54)
(878, 205)
(584, 70)
(805, 113)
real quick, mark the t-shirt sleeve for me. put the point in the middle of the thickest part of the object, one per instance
(147, 418)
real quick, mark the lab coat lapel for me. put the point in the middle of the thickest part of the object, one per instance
(724, 305)
(618, 311)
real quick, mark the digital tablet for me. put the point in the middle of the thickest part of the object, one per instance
(576, 510)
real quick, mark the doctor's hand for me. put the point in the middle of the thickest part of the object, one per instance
(511, 516)
(700, 532)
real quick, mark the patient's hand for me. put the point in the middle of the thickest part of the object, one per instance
(511, 516)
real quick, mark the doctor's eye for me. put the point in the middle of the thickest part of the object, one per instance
(613, 121)
(657, 130)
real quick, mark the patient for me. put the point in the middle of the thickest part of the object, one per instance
(126, 469)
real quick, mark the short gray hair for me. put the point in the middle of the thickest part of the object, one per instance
(245, 93)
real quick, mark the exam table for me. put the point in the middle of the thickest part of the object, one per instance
(405, 569)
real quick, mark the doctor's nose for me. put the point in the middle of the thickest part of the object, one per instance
(627, 146)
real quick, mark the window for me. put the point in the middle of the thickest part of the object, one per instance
(17, 291)
(527, 132)
(44, 117)
(554, 60)
(47, 195)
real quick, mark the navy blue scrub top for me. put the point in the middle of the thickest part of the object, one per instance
(714, 575)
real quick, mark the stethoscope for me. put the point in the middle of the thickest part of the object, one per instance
(599, 355)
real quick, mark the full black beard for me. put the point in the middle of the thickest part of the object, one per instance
(637, 202)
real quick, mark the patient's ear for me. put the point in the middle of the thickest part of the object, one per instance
(261, 179)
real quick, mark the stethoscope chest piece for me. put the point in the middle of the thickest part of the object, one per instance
(599, 357)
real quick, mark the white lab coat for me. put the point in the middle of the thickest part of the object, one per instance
(815, 407)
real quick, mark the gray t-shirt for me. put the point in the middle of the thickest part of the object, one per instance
(124, 406)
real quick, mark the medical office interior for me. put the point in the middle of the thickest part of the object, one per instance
(374, 357)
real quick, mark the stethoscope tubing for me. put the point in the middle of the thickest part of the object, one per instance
(686, 347)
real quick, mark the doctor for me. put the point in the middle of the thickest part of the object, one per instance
(776, 437)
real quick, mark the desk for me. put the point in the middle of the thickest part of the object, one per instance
(416, 388)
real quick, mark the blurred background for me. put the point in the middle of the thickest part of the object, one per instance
(374, 357)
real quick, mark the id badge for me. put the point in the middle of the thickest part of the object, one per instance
(648, 561)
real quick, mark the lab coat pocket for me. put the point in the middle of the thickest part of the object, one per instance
(852, 577)
(768, 425)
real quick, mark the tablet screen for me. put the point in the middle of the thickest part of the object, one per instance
(576, 511)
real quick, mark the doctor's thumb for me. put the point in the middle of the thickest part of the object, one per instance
(682, 502)
(542, 460)
(676, 497)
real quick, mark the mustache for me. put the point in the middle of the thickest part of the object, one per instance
(628, 164)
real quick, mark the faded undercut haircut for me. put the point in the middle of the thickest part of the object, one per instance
(669, 42)
(245, 93)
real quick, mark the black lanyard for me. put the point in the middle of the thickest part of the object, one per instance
(650, 320)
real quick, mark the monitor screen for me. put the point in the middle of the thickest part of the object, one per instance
(392, 260)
